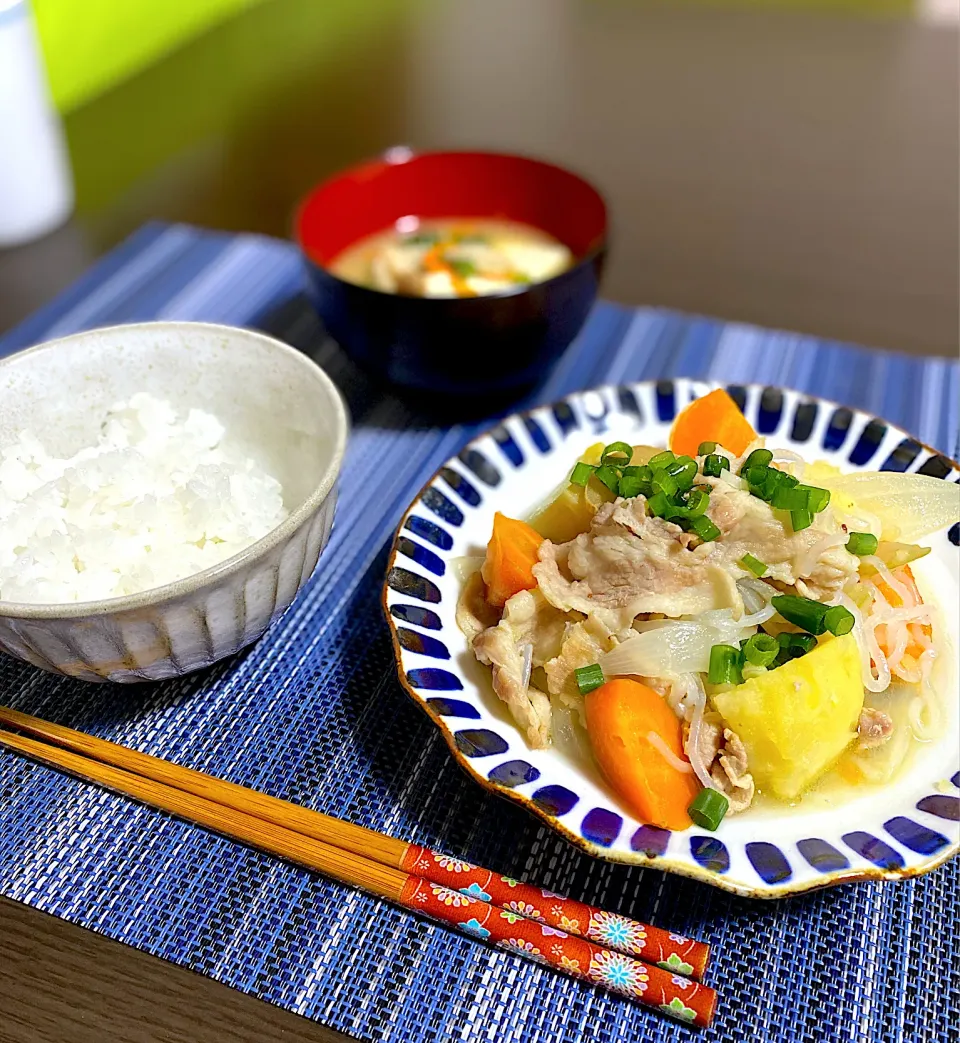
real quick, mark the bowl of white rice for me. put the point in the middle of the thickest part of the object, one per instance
(166, 489)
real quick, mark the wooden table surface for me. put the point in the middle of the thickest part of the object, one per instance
(786, 168)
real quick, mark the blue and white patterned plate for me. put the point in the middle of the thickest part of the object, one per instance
(906, 828)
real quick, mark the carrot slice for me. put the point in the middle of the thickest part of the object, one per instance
(905, 575)
(622, 716)
(511, 555)
(713, 418)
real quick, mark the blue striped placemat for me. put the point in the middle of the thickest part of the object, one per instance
(314, 714)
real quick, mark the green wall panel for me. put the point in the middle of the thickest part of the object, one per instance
(89, 45)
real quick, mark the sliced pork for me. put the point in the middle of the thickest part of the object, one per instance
(529, 633)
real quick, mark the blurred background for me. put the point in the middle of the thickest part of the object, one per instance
(782, 162)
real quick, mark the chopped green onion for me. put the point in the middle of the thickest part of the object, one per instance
(683, 471)
(775, 481)
(758, 458)
(663, 482)
(659, 505)
(796, 645)
(661, 459)
(588, 677)
(635, 481)
(708, 808)
(764, 482)
(630, 487)
(697, 502)
(861, 543)
(792, 646)
(784, 656)
(581, 474)
(801, 519)
(761, 649)
(678, 464)
(802, 612)
(462, 267)
(421, 239)
(641, 471)
(724, 665)
(714, 464)
(817, 499)
(839, 620)
(804, 642)
(705, 448)
(684, 510)
(770, 484)
(704, 528)
(755, 565)
(617, 449)
(790, 498)
(609, 476)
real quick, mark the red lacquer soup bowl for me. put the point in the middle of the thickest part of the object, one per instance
(503, 343)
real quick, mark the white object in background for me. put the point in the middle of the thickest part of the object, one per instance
(36, 189)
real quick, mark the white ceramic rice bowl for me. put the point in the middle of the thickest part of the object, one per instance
(277, 405)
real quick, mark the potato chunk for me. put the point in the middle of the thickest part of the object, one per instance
(572, 508)
(796, 720)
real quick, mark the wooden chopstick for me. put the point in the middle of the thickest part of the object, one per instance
(645, 941)
(85, 756)
(260, 833)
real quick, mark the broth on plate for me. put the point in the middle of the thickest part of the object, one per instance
(461, 257)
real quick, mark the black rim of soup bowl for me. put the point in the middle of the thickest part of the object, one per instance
(495, 344)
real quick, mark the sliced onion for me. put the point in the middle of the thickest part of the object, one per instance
(569, 735)
(908, 506)
(671, 647)
(729, 478)
(668, 755)
(856, 519)
(752, 600)
(466, 565)
(758, 617)
(755, 593)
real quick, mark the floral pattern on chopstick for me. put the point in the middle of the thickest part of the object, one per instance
(670, 993)
(673, 952)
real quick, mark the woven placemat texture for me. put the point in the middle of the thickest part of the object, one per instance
(314, 714)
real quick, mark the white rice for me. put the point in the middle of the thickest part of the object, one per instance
(159, 497)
